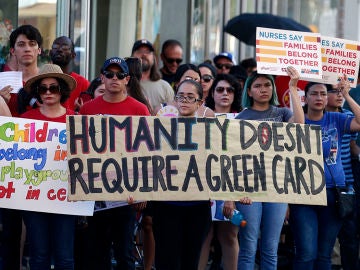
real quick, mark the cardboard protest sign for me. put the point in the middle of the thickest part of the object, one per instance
(339, 57)
(278, 49)
(151, 158)
(34, 171)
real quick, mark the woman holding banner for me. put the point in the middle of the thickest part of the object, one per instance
(50, 235)
(180, 227)
(266, 219)
(316, 227)
(223, 99)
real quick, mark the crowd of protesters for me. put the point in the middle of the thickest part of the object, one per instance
(180, 234)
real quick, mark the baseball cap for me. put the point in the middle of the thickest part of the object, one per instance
(117, 61)
(142, 42)
(224, 55)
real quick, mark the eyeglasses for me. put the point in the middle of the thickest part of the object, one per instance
(172, 60)
(221, 66)
(221, 89)
(54, 89)
(111, 74)
(334, 91)
(207, 78)
(187, 99)
(192, 78)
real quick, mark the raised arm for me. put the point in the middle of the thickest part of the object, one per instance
(344, 87)
(298, 113)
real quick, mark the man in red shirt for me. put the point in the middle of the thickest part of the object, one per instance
(62, 54)
(115, 225)
(115, 76)
(25, 46)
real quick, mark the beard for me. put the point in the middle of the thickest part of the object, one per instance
(145, 65)
(60, 61)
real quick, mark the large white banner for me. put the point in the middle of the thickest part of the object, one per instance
(164, 158)
(34, 169)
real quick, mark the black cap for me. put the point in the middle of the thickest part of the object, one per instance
(142, 42)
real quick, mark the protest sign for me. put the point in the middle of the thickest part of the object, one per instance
(151, 158)
(278, 49)
(34, 171)
(339, 57)
(12, 78)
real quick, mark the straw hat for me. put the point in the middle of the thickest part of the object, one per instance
(51, 71)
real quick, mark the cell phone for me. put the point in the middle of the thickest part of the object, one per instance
(85, 97)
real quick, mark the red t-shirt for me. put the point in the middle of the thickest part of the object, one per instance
(82, 85)
(129, 106)
(37, 115)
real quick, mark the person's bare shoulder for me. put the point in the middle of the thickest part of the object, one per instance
(204, 111)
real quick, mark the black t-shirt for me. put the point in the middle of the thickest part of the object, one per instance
(170, 78)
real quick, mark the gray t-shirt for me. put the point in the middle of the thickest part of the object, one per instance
(273, 114)
(157, 92)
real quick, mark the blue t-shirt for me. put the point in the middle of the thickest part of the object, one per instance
(333, 126)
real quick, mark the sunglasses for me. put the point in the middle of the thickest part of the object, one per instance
(172, 60)
(221, 66)
(221, 89)
(111, 74)
(207, 78)
(54, 89)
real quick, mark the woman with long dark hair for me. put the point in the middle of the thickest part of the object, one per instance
(134, 87)
(51, 236)
(316, 227)
(223, 98)
(259, 101)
